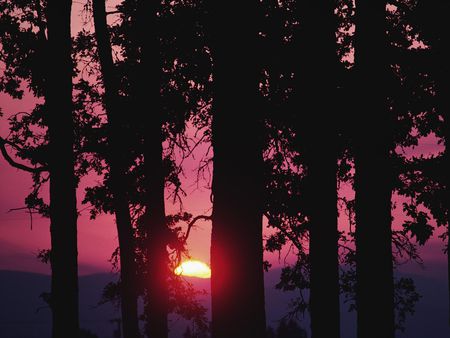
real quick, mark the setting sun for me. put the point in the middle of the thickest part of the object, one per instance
(193, 268)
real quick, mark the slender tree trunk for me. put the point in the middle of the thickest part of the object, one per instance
(447, 187)
(317, 137)
(117, 160)
(443, 77)
(237, 283)
(149, 86)
(373, 183)
(444, 105)
(432, 15)
(63, 209)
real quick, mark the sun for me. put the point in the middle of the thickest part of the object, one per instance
(193, 268)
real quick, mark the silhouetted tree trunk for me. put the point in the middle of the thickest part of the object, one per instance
(237, 284)
(116, 159)
(63, 209)
(431, 16)
(373, 183)
(445, 92)
(317, 137)
(430, 21)
(441, 54)
(149, 87)
(444, 106)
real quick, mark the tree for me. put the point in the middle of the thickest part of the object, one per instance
(117, 163)
(316, 141)
(179, 99)
(288, 200)
(148, 84)
(373, 174)
(63, 208)
(237, 284)
(41, 31)
(429, 21)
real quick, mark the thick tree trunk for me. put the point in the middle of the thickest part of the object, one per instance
(157, 307)
(317, 137)
(116, 160)
(237, 283)
(149, 86)
(373, 182)
(63, 209)
(324, 275)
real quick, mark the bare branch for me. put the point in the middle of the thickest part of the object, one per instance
(192, 223)
(15, 164)
(113, 12)
(29, 211)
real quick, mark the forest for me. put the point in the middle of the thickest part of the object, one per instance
(301, 119)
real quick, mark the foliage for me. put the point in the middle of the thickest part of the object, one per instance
(415, 37)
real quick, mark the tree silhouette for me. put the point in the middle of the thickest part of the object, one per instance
(294, 105)
(63, 208)
(316, 94)
(178, 101)
(41, 58)
(237, 287)
(148, 85)
(288, 184)
(429, 21)
(373, 176)
(117, 150)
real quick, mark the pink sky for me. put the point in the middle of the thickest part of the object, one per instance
(97, 239)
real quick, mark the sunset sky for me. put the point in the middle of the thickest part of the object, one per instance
(274, 156)
(98, 239)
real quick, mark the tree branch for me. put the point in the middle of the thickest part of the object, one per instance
(29, 211)
(15, 164)
(192, 223)
(113, 12)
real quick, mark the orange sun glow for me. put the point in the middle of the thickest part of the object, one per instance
(193, 268)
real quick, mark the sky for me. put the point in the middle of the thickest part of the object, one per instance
(98, 239)
(19, 243)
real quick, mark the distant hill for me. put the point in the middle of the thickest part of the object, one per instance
(24, 315)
